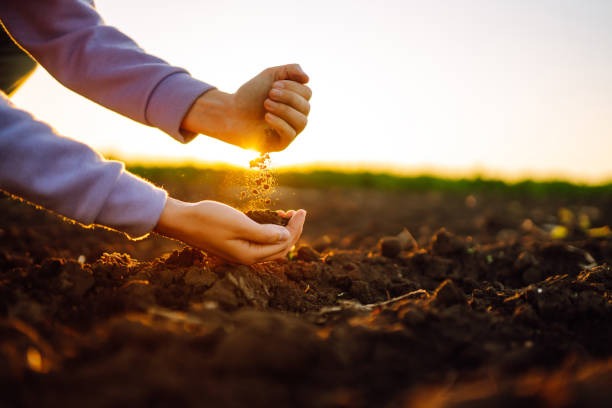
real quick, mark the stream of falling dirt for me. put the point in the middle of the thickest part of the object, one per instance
(260, 184)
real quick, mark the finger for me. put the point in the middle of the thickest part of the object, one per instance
(257, 252)
(293, 72)
(295, 119)
(302, 90)
(290, 98)
(296, 225)
(263, 233)
(224, 255)
(276, 257)
(284, 130)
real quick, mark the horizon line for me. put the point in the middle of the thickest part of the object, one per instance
(384, 168)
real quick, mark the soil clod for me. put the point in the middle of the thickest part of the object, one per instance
(307, 253)
(390, 246)
(267, 217)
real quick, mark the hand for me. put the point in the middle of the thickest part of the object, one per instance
(265, 114)
(228, 233)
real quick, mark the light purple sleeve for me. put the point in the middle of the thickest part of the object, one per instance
(71, 179)
(70, 40)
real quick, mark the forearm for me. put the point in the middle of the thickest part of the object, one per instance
(101, 63)
(71, 179)
(171, 218)
(213, 114)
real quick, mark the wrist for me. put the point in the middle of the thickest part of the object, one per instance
(171, 218)
(211, 114)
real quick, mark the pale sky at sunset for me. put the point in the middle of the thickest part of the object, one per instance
(507, 87)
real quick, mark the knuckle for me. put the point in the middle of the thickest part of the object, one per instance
(270, 105)
(291, 98)
(276, 93)
(304, 122)
(307, 92)
(282, 109)
(290, 134)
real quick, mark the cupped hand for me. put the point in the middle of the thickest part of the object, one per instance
(228, 233)
(265, 114)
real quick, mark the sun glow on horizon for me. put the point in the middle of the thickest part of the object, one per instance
(491, 87)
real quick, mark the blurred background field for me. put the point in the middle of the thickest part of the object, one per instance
(346, 210)
(515, 290)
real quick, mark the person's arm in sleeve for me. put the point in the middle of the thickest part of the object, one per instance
(71, 179)
(68, 177)
(70, 40)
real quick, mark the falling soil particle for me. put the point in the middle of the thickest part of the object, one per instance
(262, 162)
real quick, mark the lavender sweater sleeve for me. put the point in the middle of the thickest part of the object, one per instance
(69, 39)
(68, 177)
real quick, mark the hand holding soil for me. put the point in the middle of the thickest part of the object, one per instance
(229, 233)
(265, 114)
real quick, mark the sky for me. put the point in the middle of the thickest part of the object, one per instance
(502, 88)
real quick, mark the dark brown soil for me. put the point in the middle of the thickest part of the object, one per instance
(267, 217)
(495, 314)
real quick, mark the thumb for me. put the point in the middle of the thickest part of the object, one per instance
(293, 72)
(296, 224)
(266, 233)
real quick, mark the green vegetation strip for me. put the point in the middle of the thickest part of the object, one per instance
(384, 181)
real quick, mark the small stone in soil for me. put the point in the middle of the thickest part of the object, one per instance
(407, 241)
(307, 253)
(448, 294)
(267, 217)
(390, 246)
(444, 243)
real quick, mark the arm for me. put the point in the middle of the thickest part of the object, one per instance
(69, 39)
(265, 114)
(71, 179)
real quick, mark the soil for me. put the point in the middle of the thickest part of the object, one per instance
(267, 217)
(488, 311)
(259, 184)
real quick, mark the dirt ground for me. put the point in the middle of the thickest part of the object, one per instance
(475, 306)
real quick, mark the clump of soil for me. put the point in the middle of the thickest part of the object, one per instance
(267, 217)
(390, 246)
